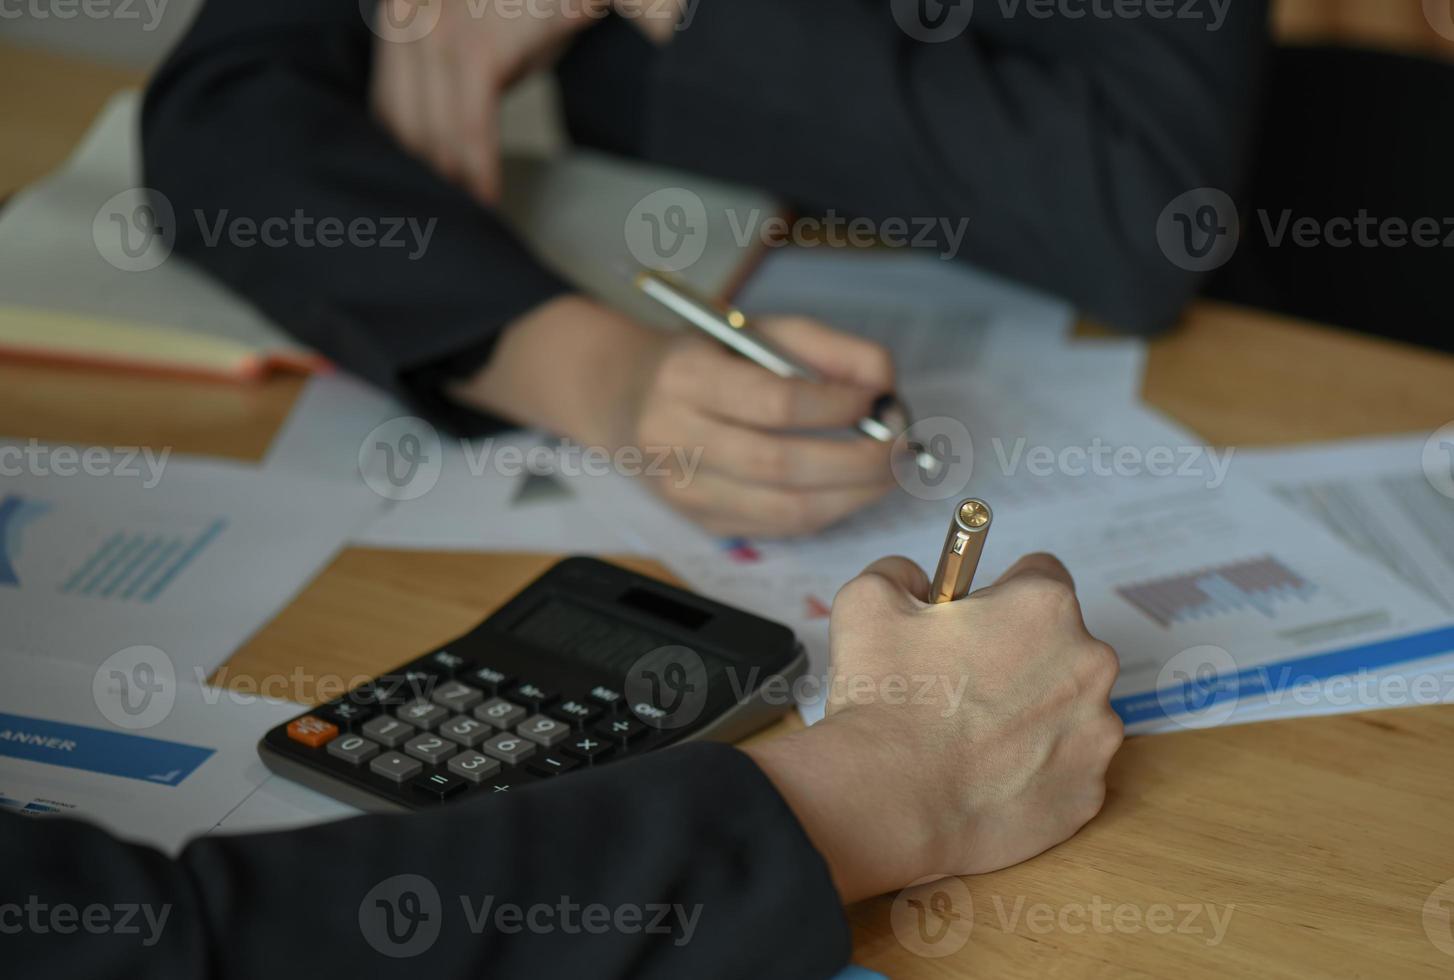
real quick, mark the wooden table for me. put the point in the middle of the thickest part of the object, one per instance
(1321, 838)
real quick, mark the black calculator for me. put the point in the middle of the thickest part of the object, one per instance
(588, 665)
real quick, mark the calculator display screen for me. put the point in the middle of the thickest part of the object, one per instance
(590, 637)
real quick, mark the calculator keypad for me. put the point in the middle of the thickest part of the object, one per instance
(448, 726)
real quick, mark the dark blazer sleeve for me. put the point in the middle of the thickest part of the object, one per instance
(698, 828)
(1058, 142)
(261, 114)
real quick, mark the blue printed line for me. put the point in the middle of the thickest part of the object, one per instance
(185, 559)
(130, 567)
(151, 760)
(157, 562)
(1198, 696)
(117, 558)
(100, 555)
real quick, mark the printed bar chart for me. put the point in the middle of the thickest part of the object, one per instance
(1259, 584)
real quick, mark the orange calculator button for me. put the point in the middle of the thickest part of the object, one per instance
(312, 732)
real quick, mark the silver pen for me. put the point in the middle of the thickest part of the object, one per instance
(887, 420)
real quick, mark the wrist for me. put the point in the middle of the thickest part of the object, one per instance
(858, 801)
(569, 366)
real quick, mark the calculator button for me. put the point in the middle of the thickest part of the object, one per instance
(509, 748)
(623, 731)
(440, 785)
(365, 695)
(607, 698)
(430, 748)
(591, 748)
(402, 688)
(508, 783)
(346, 714)
(473, 766)
(489, 678)
(395, 767)
(543, 730)
(552, 765)
(576, 712)
(445, 662)
(533, 695)
(353, 749)
(468, 732)
(500, 713)
(422, 714)
(389, 731)
(312, 731)
(456, 696)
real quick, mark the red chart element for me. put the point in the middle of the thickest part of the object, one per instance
(817, 608)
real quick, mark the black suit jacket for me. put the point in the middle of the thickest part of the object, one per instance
(686, 863)
(1060, 141)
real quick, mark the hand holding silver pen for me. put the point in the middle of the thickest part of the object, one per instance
(887, 420)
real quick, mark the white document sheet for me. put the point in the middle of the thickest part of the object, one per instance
(193, 564)
(132, 746)
(517, 491)
(1376, 496)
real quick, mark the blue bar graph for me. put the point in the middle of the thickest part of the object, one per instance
(138, 566)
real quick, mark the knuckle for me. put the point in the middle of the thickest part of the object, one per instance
(869, 590)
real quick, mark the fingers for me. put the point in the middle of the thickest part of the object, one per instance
(1040, 565)
(730, 507)
(904, 574)
(840, 356)
(737, 390)
(773, 459)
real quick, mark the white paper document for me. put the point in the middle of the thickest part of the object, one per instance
(516, 491)
(193, 563)
(1377, 497)
(132, 745)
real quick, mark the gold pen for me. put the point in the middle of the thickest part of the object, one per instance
(887, 420)
(962, 548)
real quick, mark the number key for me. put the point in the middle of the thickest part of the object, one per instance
(500, 713)
(472, 766)
(509, 748)
(545, 731)
(422, 714)
(353, 749)
(430, 748)
(389, 731)
(468, 732)
(456, 696)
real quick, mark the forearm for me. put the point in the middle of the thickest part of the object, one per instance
(695, 831)
(260, 116)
